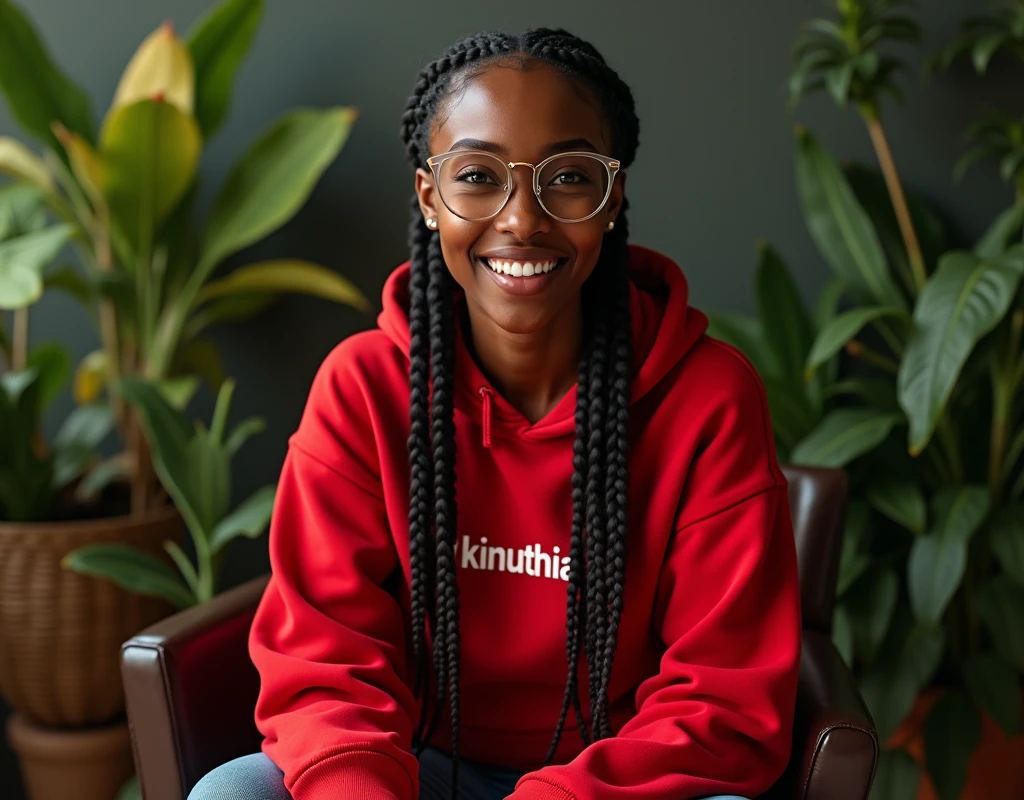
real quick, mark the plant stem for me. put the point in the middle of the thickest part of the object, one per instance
(873, 357)
(19, 348)
(899, 200)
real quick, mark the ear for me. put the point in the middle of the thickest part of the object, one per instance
(426, 191)
(614, 205)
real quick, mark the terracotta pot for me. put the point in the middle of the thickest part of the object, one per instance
(61, 632)
(84, 764)
(995, 771)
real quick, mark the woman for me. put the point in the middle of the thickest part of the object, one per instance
(531, 538)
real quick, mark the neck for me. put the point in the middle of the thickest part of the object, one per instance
(533, 370)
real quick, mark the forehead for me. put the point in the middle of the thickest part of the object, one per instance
(522, 109)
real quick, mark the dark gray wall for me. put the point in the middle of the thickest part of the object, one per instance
(713, 176)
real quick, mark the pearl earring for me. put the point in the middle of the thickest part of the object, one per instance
(432, 223)
(611, 224)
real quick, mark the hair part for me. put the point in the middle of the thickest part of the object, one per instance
(597, 545)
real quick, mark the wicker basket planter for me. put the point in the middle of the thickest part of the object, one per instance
(60, 632)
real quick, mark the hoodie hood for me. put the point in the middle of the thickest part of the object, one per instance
(665, 328)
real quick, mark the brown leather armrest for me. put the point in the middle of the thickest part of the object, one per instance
(835, 743)
(191, 691)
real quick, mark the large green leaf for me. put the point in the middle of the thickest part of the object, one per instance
(897, 776)
(840, 227)
(219, 41)
(151, 151)
(24, 165)
(250, 519)
(938, 560)
(745, 334)
(892, 683)
(169, 433)
(52, 362)
(38, 93)
(791, 414)
(209, 475)
(995, 687)
(782, 314)
(951, 734)
(130, 569)
(1007, 540)
(271, 182)
(842, 634)
(74, 446)
(900, 501)
(1002, 233)
(22, 261)
(1000, 603)
(827, 305)
(286, 275)
(964, 300)
(840, 330)
(844, 435)
(870, 606)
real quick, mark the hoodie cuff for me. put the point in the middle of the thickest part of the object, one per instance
(364, 774)
(536, 789)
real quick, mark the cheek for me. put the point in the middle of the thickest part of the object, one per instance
(457, 239)
(586, 238)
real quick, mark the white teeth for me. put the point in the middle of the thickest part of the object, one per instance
(521, 269)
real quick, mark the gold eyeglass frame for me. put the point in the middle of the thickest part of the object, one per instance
(611, 165)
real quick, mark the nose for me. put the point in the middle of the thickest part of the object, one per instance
(522, 215)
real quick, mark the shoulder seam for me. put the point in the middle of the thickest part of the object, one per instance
(740, 501)
(347, 478)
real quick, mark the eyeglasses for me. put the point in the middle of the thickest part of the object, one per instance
(571, 187)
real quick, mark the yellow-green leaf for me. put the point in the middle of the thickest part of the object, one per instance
(23, 164)
(85, 162)
(162, 66)
(287, 275)
(151, 150)
(90, 377)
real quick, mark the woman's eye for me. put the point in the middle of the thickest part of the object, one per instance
(474, 176)
(569, 179)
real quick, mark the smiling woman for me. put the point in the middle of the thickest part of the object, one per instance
(538, 394)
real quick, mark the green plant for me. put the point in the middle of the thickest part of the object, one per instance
(910, 374)
(126, 200)
(32, 473)
(193, 463)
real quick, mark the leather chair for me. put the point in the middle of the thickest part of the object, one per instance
(191, 688)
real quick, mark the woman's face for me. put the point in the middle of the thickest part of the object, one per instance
(520, 115)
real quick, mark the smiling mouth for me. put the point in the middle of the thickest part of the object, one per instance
(522, 269)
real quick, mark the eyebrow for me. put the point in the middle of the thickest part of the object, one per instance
(492, 147)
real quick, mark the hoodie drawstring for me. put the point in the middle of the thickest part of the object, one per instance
(487, 415)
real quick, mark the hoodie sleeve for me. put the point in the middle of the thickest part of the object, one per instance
(717, 717)
(328, 638)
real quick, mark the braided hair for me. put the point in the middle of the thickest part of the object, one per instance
(597, 549)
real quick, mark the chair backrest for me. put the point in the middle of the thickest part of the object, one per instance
(817, 499)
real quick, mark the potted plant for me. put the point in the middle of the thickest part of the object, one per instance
(910, 374)
(125, 200)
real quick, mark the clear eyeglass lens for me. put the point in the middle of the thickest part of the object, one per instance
(474, 185)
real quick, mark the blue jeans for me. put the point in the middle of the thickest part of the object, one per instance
(256, 777)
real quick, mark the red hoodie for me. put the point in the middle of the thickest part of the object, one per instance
(704, 680)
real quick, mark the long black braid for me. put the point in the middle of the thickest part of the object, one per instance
(597, 546)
